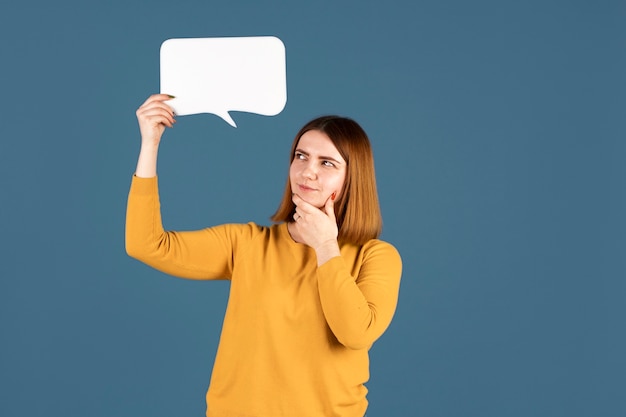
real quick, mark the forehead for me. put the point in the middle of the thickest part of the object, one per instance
(317, 143)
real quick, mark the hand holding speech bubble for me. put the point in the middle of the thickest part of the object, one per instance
(218, 75)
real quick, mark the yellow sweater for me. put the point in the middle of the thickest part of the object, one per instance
(296, 336)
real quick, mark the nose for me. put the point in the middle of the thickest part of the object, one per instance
(309, 171)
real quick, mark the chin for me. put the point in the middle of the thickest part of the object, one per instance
(313, 203)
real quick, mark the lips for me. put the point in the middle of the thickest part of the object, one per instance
(305, 189)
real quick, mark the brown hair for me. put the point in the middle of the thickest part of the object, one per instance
(357, 209)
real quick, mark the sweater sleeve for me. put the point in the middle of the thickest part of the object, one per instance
(201, 254)
(359, 309)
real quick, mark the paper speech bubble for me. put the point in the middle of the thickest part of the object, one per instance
(218, 75)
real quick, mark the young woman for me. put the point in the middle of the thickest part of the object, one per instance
(308, 295)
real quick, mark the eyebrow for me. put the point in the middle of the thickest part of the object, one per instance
(329, 158)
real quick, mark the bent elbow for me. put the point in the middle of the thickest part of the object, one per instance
(355, 341)
(360, 336)
(132, 251)
(135, 250)
(357, 346)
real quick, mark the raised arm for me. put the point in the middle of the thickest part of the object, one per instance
(201, 254)
(153, 116)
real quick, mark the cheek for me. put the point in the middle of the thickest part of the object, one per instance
(342, 179)
(292, 172)
(337, 183)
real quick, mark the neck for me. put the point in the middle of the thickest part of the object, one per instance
(293, 232)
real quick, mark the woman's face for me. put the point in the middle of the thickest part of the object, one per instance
(317, 169)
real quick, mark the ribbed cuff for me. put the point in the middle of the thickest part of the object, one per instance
(332, 266)
(144, 186)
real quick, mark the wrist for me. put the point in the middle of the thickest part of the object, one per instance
(326, 251)
(149, 145)
(147, 161)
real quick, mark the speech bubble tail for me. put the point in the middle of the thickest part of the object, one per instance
(227, 119)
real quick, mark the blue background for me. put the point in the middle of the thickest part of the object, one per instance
(499, 134)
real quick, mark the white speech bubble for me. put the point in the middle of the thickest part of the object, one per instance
(218, 75)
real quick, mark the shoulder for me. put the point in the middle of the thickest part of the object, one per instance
(244, 233)
(374, 251)
(244, 230)
(380, 246)
(379, 251)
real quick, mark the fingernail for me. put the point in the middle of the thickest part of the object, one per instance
(332, 197)
(171, 96)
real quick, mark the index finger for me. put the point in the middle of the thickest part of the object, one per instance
(158, 97)
(303, 205)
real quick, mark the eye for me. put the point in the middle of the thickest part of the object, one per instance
(300, 155)
(328, 164)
